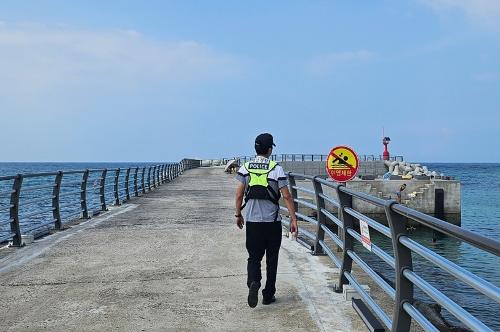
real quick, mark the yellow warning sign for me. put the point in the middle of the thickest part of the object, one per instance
(342, 164)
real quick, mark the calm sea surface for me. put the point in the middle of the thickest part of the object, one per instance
(480, 213)
(480, 184)
(32, 222)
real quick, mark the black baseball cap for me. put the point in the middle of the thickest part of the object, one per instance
(265, 140)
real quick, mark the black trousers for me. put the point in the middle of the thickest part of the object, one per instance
(263, 237)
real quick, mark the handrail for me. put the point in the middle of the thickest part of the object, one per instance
(312, 157)
(339, 225)
(110, 184)
(475, 239)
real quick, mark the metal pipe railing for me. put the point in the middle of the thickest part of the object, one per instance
(127, 184)
(339, 227)
(312, 157)
(56, 194)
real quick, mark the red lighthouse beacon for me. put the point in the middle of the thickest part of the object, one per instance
(386, 141)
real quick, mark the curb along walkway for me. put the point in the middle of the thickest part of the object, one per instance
(170, 260)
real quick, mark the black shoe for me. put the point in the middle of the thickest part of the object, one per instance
(266, 301)
(253, 294)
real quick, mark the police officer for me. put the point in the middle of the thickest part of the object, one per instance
(262, 183)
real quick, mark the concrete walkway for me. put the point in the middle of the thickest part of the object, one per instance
(170, 260)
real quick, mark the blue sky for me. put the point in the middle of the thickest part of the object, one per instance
(163, 80)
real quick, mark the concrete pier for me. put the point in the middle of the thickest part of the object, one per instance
(170, 260)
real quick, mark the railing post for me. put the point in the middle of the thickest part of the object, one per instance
(15, 228)
(404, 288)
(154, 176)
(115, 187)
(162, 174)
(143, 181)
(158, 176)
(345, 200)
(102, 190)
(136, 191)
(83, 195)
(56, 213)
(149, 178)
(320, 205)
(293, 192)
(127, 193)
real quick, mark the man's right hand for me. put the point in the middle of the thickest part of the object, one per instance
(240, 222)
(294, 228)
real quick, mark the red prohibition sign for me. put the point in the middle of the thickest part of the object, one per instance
(342, 164)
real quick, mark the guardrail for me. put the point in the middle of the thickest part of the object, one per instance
(312, 157)
(67, 192)
(337, 223)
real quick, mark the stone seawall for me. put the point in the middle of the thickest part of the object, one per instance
(418, 195)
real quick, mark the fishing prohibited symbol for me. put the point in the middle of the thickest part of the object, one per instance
(342, 164)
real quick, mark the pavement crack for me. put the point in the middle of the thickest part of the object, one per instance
(108, 282)
(105, 282)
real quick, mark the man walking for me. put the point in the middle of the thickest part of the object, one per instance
(262, 183)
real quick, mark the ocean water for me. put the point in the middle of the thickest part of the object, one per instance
(480, 193)
(480, 213)
(39, 223)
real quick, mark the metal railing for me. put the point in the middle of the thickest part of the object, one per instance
(39, 201)
(312, 157)
(336, 225)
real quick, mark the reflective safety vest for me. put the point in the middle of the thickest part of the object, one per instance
(258, 186)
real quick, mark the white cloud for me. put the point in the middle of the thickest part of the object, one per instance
(325, 64)
(483, 12)
(36, 58)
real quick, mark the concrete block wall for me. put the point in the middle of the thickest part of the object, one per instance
(305, 167)
(376, 168)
